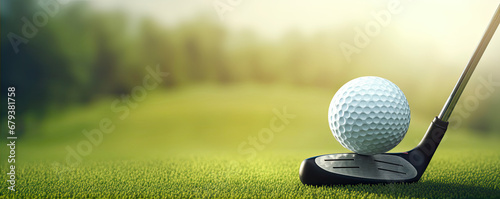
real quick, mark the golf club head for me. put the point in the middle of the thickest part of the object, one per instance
(352, 168)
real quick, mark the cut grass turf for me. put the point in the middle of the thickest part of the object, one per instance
(271, 176)
(184, 143)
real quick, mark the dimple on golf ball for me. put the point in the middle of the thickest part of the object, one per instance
(369, 115)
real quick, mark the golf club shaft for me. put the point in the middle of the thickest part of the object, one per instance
(464, 78)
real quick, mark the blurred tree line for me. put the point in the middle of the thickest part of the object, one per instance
(82, 55)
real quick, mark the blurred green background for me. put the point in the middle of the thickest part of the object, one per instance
(229, 66)
(228, 71)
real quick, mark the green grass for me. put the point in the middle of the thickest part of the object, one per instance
(270, 176)
(184, 143)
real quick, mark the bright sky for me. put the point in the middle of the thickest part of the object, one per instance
(274, 17)
(452, 26)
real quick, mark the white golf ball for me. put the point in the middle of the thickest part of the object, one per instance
(369, 115)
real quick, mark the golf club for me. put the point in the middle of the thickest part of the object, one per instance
(352, 168)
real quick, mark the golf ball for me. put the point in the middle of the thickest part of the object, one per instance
(369, 115)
